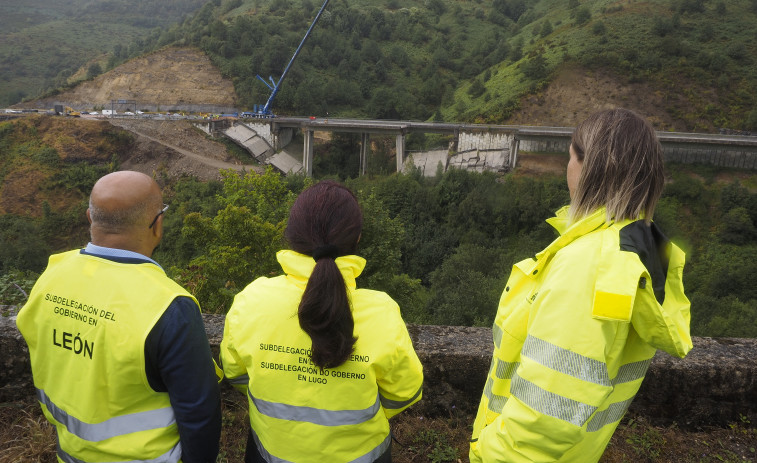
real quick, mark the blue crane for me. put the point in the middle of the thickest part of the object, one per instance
(265, 110)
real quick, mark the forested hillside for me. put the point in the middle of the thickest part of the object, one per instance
(461, 60)
(442, 247)
(48, 44)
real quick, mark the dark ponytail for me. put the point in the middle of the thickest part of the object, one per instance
(325, 222)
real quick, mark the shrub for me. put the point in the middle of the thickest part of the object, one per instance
(737, 227)
(47, 155)
(535, 68)
(583, 15)
(598, 28)
(750, 123)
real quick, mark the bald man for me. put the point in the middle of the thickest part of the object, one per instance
(120, 359)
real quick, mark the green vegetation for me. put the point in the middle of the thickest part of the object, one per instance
(466, 61)
(448, 60)
(443, 247)
(44, 43)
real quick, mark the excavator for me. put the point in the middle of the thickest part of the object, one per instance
(61, 110)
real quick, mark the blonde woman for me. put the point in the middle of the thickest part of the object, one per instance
(578, 325)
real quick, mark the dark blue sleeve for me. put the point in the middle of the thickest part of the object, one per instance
(178, 361)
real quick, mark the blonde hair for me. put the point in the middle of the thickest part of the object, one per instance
(622, 166)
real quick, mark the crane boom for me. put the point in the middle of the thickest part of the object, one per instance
(266, 110)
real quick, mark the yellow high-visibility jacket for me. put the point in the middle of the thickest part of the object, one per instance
(86, 323)
(299, 412)
(575, 331)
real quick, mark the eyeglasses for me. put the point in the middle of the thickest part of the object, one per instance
(165, 208)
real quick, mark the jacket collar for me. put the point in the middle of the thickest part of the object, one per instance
(570, 232)
(664, 326)
(298, 267)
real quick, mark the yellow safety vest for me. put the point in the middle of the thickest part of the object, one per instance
(298, 412)
(575, 331)
(86, 323)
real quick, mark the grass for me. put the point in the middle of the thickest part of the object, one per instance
(25, 436)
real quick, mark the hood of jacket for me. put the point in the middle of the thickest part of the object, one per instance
(298, 267)
(648, 261)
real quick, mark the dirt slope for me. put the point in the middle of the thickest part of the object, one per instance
(576, 92)
(164, 149)
(176, 148)
(172, 77)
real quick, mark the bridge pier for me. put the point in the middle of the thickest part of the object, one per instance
(364, 149)
(498, 146)
(400, 151)
(514, 145)
(307, 158)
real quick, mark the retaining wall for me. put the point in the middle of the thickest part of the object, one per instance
(716, 384)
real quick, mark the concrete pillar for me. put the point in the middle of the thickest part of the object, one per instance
(307, 157)
(400, 152)
(275, 143)
(514, 144)
(364, 148)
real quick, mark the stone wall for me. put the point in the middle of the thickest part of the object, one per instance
(716, 384)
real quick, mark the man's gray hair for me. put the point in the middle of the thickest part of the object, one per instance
(120, 220)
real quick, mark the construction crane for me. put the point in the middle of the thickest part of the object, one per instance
(261, 111)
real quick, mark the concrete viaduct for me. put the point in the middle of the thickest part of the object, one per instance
(477, 147)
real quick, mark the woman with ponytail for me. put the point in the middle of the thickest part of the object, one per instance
(323, 363)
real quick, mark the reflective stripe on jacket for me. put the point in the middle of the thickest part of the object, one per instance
(86, 323)
(575, 331)
(299, 412)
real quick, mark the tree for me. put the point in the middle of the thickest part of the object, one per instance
(21, 246)
(691, 6)
(662, 26)
(94, 70)
(750, 123)
(546, 28)
(265, 195)
(239, 242)
(476, 89)
(535, 68)
(238, 247)
(466, 287)
(436, 6)
(737, 227)
(583, 15)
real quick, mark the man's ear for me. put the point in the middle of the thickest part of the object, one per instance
(89, 218)
(157, 229)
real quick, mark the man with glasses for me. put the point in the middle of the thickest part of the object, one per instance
(120, 359)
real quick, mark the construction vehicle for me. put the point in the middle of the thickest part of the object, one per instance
(61, 110)
(264, 111)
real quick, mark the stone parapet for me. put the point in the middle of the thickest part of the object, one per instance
(716, 384)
